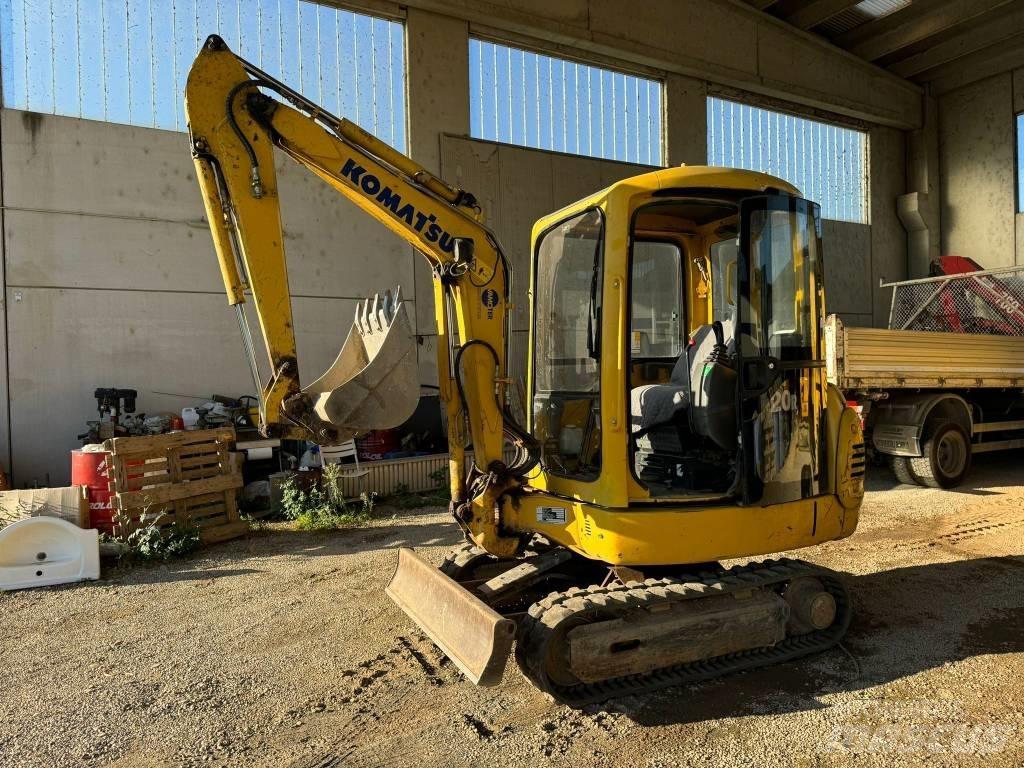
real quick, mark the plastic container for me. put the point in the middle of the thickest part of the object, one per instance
(374, 445)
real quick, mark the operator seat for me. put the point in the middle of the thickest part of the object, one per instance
(654, 404)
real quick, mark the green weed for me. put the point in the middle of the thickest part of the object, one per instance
(151, 542)
(324, 508)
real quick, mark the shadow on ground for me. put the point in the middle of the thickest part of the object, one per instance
(906, 621)
(161, 574)
(347, 542)
(208, 564)
(987, 469)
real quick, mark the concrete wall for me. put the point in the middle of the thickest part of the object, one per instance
(111, 278)
(110, 275)
(979, 175)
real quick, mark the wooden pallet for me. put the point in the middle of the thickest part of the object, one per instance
(188, 478)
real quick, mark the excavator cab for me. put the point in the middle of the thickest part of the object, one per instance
(706, 328)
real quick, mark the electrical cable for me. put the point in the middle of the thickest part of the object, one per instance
(500, 259)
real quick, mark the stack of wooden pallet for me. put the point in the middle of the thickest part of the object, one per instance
(188, 478)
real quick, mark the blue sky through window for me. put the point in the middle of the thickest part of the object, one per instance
(126, 61)
(1020, 163)
(526, 98)
(827, 162)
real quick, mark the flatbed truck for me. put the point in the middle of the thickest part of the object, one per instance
(930, 400)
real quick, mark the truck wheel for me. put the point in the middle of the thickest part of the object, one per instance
(946, 459)
(901, 468)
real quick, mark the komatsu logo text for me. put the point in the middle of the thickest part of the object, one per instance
(424, 223)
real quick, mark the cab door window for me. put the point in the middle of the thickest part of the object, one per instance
(782, 373)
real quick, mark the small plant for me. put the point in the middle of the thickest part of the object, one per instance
(369, 501)
(418, 500)
(324, 508)
(437, 497)
(255, 523)
(330, 481)
(440, 477)
(151, 542)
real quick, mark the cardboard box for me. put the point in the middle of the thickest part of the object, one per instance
(70, 503)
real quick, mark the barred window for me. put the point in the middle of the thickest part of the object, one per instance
(1020, 163)
(526, 98)
(125, 61)
(826, 162)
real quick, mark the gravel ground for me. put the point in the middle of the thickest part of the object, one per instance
(282, 650)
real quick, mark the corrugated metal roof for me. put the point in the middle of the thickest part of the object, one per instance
(919, 42)
(861, 13)
(879, 8)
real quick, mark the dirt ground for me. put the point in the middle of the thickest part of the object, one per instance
(282, 650)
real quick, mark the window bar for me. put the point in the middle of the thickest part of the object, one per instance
(494, 69)
(522, 68)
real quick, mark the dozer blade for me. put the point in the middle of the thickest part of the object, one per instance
(373, 383)
(472, 634)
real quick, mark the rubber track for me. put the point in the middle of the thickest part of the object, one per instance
(540, 626)
(461, 558)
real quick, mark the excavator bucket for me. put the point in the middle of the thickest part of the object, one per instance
(373, 383)
(472, 634)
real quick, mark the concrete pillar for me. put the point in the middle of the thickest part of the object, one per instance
(686, 121)
(979, 176)
(887, 156)
(437, 73)
(437, 69)
(6, 450)
(1018, 107)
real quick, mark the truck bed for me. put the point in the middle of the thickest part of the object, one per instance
(877, 358)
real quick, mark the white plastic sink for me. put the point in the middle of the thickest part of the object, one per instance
(41, 551)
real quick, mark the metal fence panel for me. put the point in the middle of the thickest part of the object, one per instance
(990, 302)
(826, 162)
(525, 98)
(125, 61)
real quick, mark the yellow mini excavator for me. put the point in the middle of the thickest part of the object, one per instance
(677, 409)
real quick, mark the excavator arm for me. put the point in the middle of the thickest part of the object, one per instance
(237, 116)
